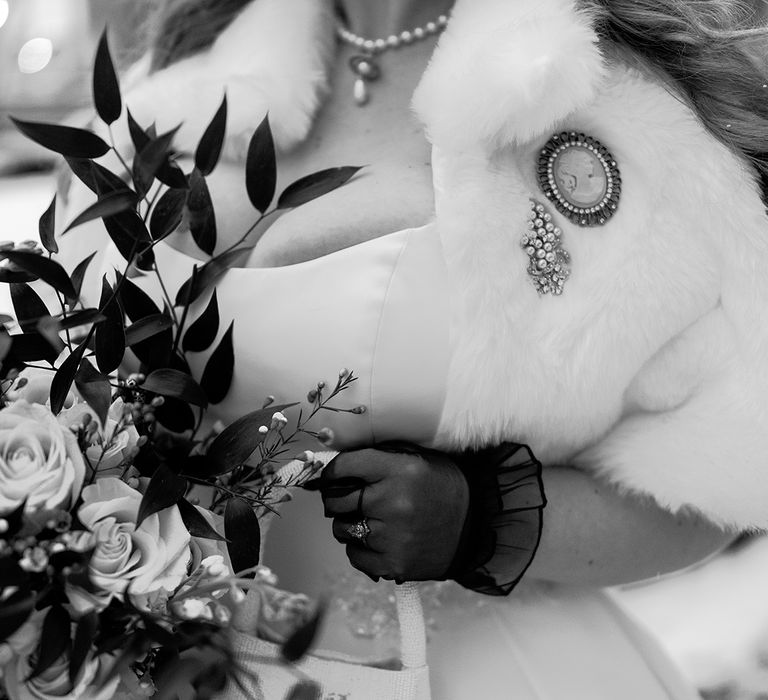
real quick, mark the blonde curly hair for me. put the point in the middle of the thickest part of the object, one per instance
(713, 53)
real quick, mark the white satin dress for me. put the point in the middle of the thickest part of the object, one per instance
(379, 308)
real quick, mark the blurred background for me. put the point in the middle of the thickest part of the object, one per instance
(713, 619)
(46, 52)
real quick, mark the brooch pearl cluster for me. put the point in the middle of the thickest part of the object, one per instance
(549, 264)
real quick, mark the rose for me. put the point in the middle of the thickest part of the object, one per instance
(146, 562)
(39, 460)
(110, 446)
(54, 684)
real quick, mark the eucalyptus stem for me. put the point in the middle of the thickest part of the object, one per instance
(184, 314)
(166, 295)
(151, 202)
(116, 152)
(64, 316)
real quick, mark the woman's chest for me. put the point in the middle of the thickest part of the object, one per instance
(391, 191)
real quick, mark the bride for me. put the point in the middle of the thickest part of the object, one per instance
(558, 238)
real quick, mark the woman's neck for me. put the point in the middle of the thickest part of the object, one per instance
(380, 18)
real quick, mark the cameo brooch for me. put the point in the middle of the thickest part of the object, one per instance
(580, 177)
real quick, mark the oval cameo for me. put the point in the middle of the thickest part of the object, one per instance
(580, 177)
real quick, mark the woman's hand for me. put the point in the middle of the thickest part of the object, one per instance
(414, 505)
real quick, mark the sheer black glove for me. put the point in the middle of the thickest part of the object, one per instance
(407, 513)
(414, 503)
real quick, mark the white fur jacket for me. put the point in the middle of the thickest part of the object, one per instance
(652, 367)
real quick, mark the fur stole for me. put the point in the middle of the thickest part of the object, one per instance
(652, 368)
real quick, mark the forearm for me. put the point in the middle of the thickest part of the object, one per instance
(595, 535)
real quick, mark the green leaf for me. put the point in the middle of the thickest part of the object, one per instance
(175, 415)
(95, 389)
(208, 274)
(165, 489)
(55, 640)
(147, 327)
(135, 301)
(50, 328)
(27, 305)
(299, 643)
(62, 380)
(315, 185)
(217, 375)
(46, 269)
(209, 148)
(168, 173)
(46, 227)
(171, 174)
(94, 176)
(15, 611)
(6, 346)
(107, 205)
(139, 137)
(200, 216)
(11, 574)
(167, 214)
(67, 140)
(87, 629)
(201, 334)
(78, 275)
(109, 337)
(80, 318)
(31, 347)
(237, 442)
(305, 690)
(241, 528)
(171, 382)
(9, 276)
(153, 352)
(106, 89)
(196, 523)
(261, 167)
(128, 232)
(149, 159)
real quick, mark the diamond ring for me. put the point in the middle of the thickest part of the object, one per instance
(359, 530)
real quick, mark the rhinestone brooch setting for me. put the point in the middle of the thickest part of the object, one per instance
(580, 177)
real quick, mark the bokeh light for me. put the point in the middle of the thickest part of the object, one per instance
(35, 55)
(3, 11)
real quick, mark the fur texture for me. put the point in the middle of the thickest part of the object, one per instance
(257, 63)
(482, 86)
(652, 368)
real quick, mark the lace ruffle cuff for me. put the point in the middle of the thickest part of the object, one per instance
(504, 522)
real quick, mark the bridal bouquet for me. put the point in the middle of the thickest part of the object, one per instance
(113, 579)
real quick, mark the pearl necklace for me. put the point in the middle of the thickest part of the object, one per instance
(366, 67)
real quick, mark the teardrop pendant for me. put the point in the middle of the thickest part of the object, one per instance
(361, 92)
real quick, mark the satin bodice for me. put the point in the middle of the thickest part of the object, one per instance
(378, 308)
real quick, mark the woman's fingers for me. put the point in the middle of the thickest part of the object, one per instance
(414, 504)
(369, 562)
(347, 481)
(346, 502)
(370, 465)
(361, 531)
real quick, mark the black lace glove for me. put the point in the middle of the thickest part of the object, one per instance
(474, 517)
(503, 526)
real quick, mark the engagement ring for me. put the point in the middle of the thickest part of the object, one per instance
(359, 530)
